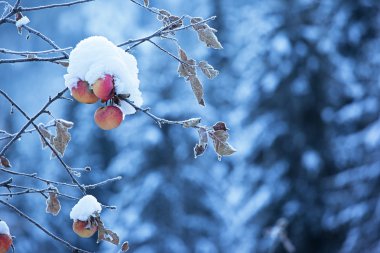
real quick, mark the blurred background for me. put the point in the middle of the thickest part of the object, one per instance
(299, 87)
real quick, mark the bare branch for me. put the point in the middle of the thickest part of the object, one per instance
(25, 9)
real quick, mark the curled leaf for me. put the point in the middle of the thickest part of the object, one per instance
(219, 136)
(208, 70)
(201, 146)
(53, 205)
(146, 3)
(63, 136)
(206, 34)
(197, 89)
(45, 134)
(106, 234)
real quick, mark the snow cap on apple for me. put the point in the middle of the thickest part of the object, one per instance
(95, 60)
(5, 237)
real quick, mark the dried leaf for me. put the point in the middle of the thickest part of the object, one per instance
(63, 63)
(191, 122)
(5, 162)
(206, 34)
(63, 136)
(146, 3)
(201, 146)
(220, 126)
(46, 134)
(208, 70)
(53, 205)
(197, 89)
(219, 138)
(125, 246)
(106, 234)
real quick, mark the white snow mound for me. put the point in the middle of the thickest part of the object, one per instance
(86, 207)
(95, 57)
(22, 21)
(4, 229)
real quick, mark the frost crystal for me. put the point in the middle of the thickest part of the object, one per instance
(4, 229)
(96, 56)
(22, 21)
(86, 207)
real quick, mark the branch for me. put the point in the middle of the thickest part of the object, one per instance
(158, 120)
(33, 59)
(25, 9)
(9, 135)
(71, 247)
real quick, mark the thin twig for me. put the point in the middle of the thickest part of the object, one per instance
(9, 135)
(33, 59)
(25, 9)
(26, 53)
(19, 212)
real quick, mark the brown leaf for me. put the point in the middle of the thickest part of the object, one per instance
(208, 70)
(201, 146)
(125, 246)
(63, 136)
(191, 122)
(219, 138)
(220, 126)
(146, 3)
(5, 162)
(206, 34)
(45, 134)
(197, 89)
(106, 234)
(53, 205)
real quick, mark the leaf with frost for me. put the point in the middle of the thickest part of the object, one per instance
(146, 3)
(191, 122)
(219, 136)
(45, 134)
(208, 70)
(197, 89)
(53, 205)
(169, 21)
(63, 136)
(206, 34)
(5, 162)
(125, 246)
(106, 234)
(201, 146)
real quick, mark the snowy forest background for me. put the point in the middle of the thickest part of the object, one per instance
(299, 88)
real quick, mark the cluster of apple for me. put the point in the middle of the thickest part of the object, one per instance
(106, 117)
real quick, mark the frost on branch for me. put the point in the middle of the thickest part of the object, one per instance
(96, 57)
(4, 229)
(87, 207)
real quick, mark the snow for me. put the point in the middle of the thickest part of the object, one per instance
(96, 56)
(22, 21)
(86, 207)
(4, 229)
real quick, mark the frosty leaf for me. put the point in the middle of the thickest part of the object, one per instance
(201, 146)
(125, 246)
(197, 89)
(63, 136)
(219, 138)
(146, 3)
(63, 63)
(106, 234)
(208, 70)
(206, 34)
(220, 126)
(46, 134)
(169, 21)
(191, 122)
(5, 162)
(53, 205)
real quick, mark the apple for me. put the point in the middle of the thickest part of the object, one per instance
(84, 229)
(108, 117)
(82, 93)
(5, 242)
(103, 88)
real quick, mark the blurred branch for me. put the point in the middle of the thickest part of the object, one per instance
(19, 212)
(25, 9)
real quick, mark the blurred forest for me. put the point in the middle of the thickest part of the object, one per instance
(299, 87)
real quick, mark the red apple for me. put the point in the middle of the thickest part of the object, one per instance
(84, 228)
(108, 117)
(103, 88)
(5, 242)
(83, 94)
